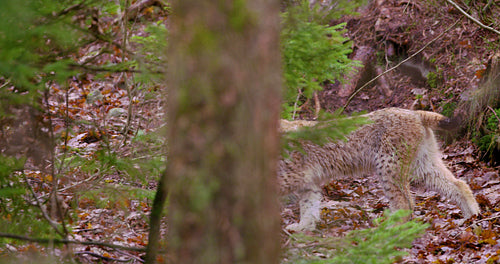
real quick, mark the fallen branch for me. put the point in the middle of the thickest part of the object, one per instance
(60, 190)
(67, 241)
(101, 256)
(475, 223)
(397, 65)
(472, 18)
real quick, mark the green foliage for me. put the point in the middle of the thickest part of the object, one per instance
(321, 14)
(151, 51)
(52, 44)
(381, 244)
(449, 109)
(482, 123)
(106, 161)
(34, 39)
(434, 79)
(10, 187)
(489, 140)
(330, 127)
(492, 121)
(313, 53)
(15, 213)
(117, 196)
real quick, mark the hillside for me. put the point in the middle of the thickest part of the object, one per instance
(451, 59)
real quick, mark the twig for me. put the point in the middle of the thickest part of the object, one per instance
(486, 219)
(124, 75)
(493, 111)
(78, 66)
(56, 205)
(69, 9)
(132, 256)
(397, 65)
(481, 220)
(317, 105)
(101, 256)
(67, 241)
(51, 222)
(295, 104)
(487, 6)
(60, 190)
(472, 18)
(7, 82)
(289, 234)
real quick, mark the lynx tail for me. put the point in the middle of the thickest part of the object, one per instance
(438, 121)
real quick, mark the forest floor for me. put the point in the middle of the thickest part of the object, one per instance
(113, 207)
(459, 59)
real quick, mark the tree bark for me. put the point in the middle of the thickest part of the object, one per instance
(223, 110)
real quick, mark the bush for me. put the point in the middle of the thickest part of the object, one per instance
(313, 53)
(381, 244)
(488, 140)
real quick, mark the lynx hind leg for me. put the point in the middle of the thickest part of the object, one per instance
(434, 175)
(396, 186)
(310, 200)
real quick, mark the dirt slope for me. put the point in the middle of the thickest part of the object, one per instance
(438, 78)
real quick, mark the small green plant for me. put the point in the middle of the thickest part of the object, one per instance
(489, 140)
(381, 244)
(449, 109)
(492, 123)
(434, 79)
(151, 51)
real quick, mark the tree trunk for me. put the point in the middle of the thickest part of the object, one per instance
(223, 111)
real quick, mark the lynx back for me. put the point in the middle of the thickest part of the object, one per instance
(399, 146)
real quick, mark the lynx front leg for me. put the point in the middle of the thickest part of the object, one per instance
(398, 193)
(310, 201)
(395, 182)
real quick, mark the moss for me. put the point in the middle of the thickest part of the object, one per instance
(488, 140)
(203, 39)
(492, 123)
(449, 108)
(239, 16)
(434, 79)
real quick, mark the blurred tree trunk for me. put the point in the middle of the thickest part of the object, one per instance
(223, 108)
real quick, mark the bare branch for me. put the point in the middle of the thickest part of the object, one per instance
(51, 222)
(67, 241)
(397, 65)
(472, 18)
(101, 256)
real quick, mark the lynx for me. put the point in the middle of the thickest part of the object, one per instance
(398, 145)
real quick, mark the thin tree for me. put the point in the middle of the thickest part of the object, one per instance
(223, 106)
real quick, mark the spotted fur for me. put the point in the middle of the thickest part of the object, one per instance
(398, 145)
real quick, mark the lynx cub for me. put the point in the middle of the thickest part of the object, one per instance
(398, 145)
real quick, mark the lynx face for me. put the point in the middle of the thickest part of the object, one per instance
(399, 146)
